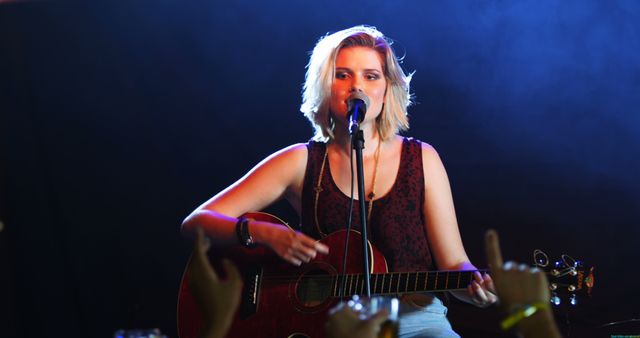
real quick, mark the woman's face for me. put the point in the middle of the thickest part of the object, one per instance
(358, 68)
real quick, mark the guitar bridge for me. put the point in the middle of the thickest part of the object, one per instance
(250, 292)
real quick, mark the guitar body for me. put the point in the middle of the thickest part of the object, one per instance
(281, 300)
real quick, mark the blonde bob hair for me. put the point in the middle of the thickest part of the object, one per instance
(321, 73)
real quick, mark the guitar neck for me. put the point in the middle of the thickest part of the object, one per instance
(403, 282)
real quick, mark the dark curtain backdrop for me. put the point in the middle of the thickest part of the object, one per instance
(119, 118)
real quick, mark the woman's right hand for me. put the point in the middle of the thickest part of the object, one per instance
(292, 246)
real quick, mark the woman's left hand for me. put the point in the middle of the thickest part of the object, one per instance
(482, 291)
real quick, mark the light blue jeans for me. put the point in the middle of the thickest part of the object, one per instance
(428, 321)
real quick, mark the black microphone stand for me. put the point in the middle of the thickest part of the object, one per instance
(357, 142)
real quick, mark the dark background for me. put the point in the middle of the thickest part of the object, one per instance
(118, 119)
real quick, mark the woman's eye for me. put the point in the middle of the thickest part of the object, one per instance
(341, 75)
(372, 76)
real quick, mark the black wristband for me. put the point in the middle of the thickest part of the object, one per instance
(242, 231)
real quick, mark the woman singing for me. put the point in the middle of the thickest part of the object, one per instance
(410, 209)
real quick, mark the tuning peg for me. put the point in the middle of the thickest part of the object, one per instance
(555, 300)
(569, 261)
(540, 258)
(573, 300)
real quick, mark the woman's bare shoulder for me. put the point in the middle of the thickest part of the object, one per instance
(429, 153)
(432, 163)
(288, 163)
(293, 153)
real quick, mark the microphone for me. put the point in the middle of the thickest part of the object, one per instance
(357, 104)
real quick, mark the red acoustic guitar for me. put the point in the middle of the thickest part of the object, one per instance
(284, 301)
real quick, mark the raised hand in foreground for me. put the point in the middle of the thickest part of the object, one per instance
(523, 292)
(217, 299)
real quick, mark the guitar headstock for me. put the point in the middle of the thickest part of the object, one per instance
(568, 278)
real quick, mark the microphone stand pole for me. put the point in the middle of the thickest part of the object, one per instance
(357, 141)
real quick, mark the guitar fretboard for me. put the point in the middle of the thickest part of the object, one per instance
(402, 282)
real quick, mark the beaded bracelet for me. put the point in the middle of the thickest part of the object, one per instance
(242, 231)
(523, 312)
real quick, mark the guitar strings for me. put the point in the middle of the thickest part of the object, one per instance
(448, 275)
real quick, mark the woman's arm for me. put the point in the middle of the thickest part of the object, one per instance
(443, 233)
(279, 175)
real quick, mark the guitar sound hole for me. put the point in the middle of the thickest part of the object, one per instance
(314, 287)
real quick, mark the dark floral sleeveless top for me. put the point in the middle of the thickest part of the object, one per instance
(397, 223)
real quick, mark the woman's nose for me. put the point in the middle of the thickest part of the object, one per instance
(355, 88)
(356, 84)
